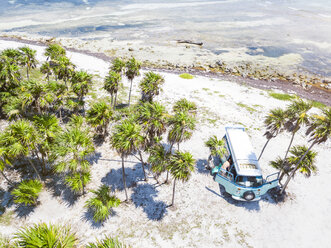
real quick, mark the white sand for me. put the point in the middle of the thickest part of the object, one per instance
(202, 218)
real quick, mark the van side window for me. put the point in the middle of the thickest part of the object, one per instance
(227, 153)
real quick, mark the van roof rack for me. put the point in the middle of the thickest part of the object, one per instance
(243, 156)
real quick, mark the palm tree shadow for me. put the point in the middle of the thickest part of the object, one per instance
(114, 178)
(94, 158)
(88, 216)
(6, 199)
(143, 196)
(201, 166)
(58, 189)
(23, 211)
(250, 206)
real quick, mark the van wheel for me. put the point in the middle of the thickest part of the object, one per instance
(249, 195)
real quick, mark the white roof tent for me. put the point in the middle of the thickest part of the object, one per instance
(243, 156)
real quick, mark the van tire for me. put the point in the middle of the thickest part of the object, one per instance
(249, 195)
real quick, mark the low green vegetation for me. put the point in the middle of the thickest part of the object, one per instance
(186, 76)
(248, 108)
(318, 104)
(281, 96)
(107, 242)
(6, 218)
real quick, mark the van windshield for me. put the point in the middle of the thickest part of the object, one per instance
(247, 181)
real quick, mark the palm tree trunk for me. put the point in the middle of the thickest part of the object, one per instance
(288, 148)
(111, 100)
(296, 167)
(35, 169)
(115, 101)
(27, 72)
(265, 145)
(4, 175)
(130, 92)
(143, 164)
(124, 182)
(173, 193)
(170, 149)
(178, 146)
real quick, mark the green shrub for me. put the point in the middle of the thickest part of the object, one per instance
(27, 192)
(102, 203)
(107, 242)
(43, 235)
(186, 76)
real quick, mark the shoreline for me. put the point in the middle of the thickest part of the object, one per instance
(306, 90)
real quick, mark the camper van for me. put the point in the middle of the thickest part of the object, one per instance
(239, 171)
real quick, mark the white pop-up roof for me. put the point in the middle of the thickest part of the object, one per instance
(243, 155)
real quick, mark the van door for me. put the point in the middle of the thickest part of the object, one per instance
(271, 181)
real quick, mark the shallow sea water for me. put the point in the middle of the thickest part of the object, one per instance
(270, 28)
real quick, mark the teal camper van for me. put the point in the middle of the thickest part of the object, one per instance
(242, 178)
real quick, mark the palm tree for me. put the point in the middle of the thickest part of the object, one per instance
(99, 116)
(46, 69)
(12, 53)
(153, 117)
(274, 123)
(9, 73)
(43, 235)
(81, 83)
(125, 140)
(297, 115)
(102, 203)
(216, 147)
(60, 95)
(117, 65)
(132, 70)
(27, 192)
(181, 166)
(21, 139)
(307, 165)
(181, 126)
(48, 128)
(32, 93)
(283, 167)
(150, 86)
(111, 85)
(53, 51)
(73, 147)
(158, 159)
(28, 58)
(64, 69)
(107, 242)
(4, 163)
(320, 132)
(183, 105)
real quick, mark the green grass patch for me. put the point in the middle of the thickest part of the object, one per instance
(281, 96)
(205, 89)
(317, 104)
(6, 218)
(248, 108)
(186, 76)
(221, 96)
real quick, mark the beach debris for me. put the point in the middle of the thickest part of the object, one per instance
(190, 42)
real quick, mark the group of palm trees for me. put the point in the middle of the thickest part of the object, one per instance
(49, 126)
(293, 118)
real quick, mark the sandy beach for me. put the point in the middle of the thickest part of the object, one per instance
(203, 216)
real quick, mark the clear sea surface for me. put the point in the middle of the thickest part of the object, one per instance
(271, 28)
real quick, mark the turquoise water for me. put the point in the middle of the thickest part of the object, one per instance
(271, 28)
